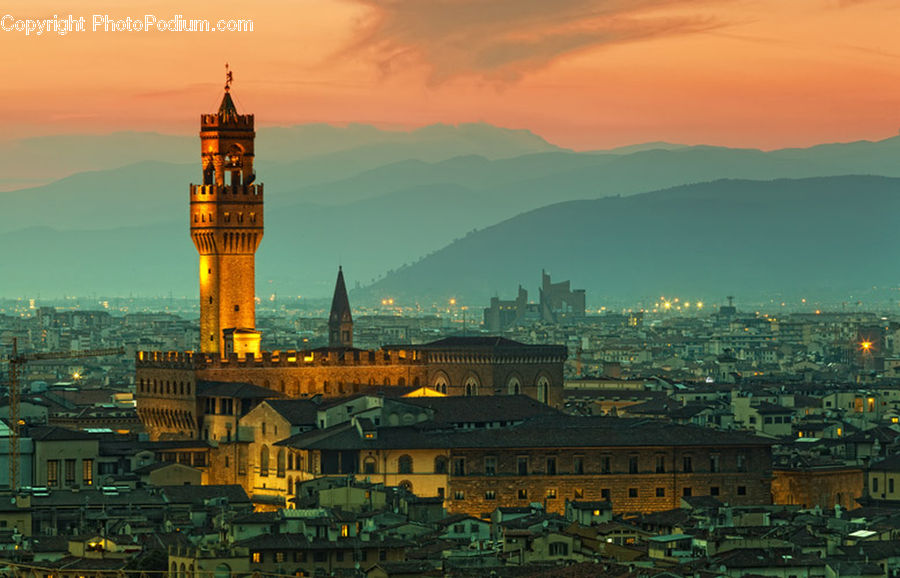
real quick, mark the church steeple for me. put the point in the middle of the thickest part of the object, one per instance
(340, 322)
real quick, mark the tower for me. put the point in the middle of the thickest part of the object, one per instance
(340, 322)
(227, 227)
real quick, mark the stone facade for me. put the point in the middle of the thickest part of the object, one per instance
(824, 487)
(638, 466)
(170, 407)
(473, 491)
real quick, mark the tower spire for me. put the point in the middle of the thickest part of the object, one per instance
(340, 322)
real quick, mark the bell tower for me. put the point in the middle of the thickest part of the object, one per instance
(227, 227)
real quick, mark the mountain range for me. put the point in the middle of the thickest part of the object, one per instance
(768, 240)
(389, 205)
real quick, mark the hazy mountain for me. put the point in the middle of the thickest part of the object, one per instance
(824, 235)
(149, 192)
(39, 160)
(647, 146)
(336, 151)
(302, 247)
(344, 207)
(133, 195)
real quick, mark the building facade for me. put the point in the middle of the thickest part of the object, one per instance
(638, 466)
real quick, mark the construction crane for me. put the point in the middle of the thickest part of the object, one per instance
(16, 363)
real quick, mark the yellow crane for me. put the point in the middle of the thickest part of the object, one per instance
(16, 362)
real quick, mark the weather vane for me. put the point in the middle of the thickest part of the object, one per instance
(228, 78)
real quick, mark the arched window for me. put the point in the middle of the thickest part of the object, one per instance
(471, 385)
(370, 466)
(440, 382)
(440, 465)
(543, 389)
(183, 572)
(281, 462)
(290, 485)
(173, 573)
(223, 571)
(514, 386)
(264, 461)
(404, 464)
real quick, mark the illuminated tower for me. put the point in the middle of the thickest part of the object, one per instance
(340, 322)
(226, 227)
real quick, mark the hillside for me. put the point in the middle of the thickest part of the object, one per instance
(829, 236)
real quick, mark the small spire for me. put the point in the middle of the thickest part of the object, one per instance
(340, 322)
(228, 78)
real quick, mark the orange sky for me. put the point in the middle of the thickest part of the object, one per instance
(581, 73)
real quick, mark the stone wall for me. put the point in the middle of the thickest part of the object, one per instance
(645, 491)
(818, 487)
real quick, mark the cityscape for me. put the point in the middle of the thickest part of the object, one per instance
(441, 347)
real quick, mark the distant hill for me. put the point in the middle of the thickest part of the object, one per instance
(825, 235)
(375, 201)
(497, 186)
(336, 151)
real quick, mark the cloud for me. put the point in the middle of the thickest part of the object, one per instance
(501, 40)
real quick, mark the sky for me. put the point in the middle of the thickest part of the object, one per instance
(584, 74)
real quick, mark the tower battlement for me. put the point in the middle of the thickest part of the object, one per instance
(217, 121)
(272, 359)
(209, 193)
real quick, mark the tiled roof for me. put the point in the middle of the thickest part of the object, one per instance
(591, 505)
(197, 495)
(888, 464)
(96, 499)
(295, 411)
(55, 433)
(557, 431)
(764, 407)
(234, 389)
(480, 409)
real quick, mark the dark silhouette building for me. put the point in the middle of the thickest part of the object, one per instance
(340, 322)
(559, 301)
